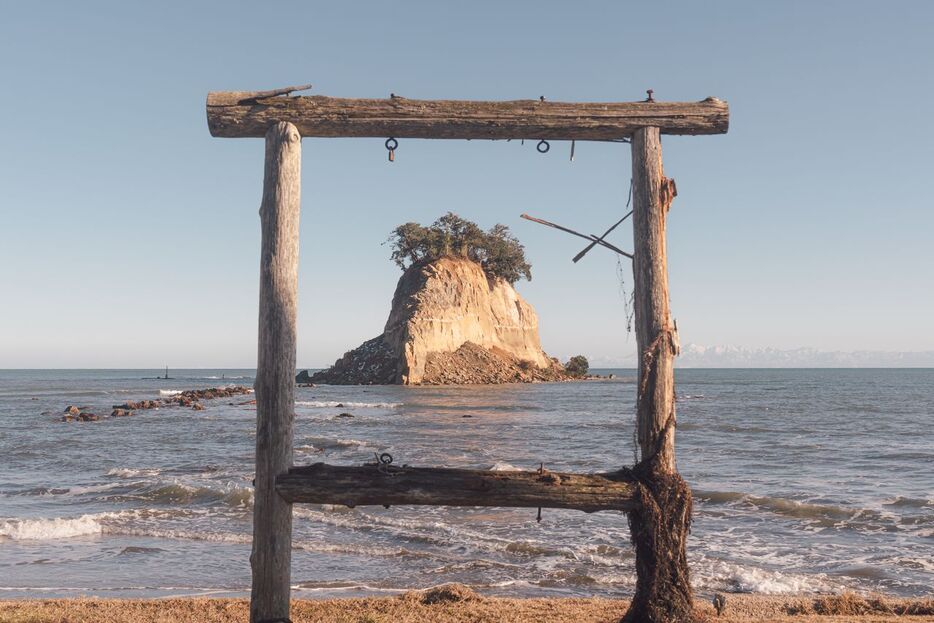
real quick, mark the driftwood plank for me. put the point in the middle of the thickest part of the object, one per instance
(243, 114)
(388, 485)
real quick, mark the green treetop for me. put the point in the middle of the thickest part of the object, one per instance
(497, 251)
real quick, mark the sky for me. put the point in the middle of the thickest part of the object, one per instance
(129, 237)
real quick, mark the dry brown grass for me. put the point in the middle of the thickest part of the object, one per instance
(850, 604)
(457, 604)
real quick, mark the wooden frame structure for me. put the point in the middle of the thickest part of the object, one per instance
(651, 492)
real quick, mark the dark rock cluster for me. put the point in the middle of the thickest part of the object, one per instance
(189, 398)
(371, 363)
(474, 365)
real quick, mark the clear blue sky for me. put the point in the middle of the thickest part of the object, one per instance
(130, 237)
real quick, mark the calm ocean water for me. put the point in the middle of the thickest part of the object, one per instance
(805, 480)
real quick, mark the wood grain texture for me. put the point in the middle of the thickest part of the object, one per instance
(656, 337)
(240, 114)
(275, 372)
(371, 485)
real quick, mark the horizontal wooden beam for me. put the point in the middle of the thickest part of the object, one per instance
(389, 485)
(235, 114)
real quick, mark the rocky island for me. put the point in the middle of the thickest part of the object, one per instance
(456, 317)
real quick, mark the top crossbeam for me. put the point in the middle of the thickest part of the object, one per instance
(236, 114)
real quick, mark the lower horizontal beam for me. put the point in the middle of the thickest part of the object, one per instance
(435, 486)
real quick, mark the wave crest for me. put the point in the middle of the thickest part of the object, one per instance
(54, 528)
(330, 404)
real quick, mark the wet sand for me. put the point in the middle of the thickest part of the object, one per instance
(459, 606)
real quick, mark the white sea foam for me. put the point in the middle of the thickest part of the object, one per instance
(361, 549)
(330, 443)
(716, 574)
(330, 404)
(348, 587)
(169, 392)
(502, 466)
(436, 532)
(54, 528)
(127, 472)
(183, 535)
(85, 489)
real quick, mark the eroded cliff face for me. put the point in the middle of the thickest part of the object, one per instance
(449, 323)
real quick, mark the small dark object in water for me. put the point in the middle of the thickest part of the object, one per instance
(345, 415)
(466, 416)
(719, 602)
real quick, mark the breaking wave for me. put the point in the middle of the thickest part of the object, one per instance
(502, 466)
(127, 472)
(317, 444)
(330, 404)
(180, 493)
(823, 515)
(55, 528)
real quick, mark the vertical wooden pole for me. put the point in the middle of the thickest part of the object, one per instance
(655, 336)
(660, 525)
(271, 559)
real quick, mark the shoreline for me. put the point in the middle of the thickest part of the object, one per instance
(458, 604)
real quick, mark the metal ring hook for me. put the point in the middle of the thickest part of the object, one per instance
(382, 463)
(392, 144)
(543, 146)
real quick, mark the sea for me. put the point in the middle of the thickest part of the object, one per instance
(805, 480)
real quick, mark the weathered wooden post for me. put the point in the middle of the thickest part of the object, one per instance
(660, 523)
(271, 558)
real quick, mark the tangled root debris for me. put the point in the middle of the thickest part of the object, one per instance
(445, 593)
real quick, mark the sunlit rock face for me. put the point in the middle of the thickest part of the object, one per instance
(450, 323)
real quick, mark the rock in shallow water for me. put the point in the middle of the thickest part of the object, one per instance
(450, 324)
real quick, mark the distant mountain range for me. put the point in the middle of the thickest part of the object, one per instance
(697, 356)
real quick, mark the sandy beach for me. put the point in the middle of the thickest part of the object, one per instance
(459, 605)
